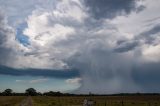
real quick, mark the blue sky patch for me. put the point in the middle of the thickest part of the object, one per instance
(23, 39)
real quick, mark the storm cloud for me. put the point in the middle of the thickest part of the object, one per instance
(120, 53)
(148, 77)
(72, 73)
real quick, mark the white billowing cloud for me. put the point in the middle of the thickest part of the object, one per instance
(32, 61)
(45, 29)
(151, 53)
(9, 47)
(70, 9)
(74, 81)
(18, 10)
(41, 32)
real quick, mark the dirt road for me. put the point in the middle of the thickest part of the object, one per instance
(27, 102)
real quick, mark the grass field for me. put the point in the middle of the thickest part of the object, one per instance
(10, 100)
(78, 100)
(99, 101)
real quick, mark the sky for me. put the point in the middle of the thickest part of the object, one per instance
(80, 46)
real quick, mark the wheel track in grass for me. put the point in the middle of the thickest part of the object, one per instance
(27, 102)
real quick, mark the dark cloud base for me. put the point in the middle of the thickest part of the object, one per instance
(147, 76)
(39, 72)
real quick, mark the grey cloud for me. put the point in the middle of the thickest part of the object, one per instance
(66, 73)
(111, 8)
(153, 19)
(126, 46)
(5, 33)
(102, 70)
(154, 30)
(150, 35)
(105, 69)
(146, 75)
(140, 8)
(3, 29)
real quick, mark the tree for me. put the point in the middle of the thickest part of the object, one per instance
(31, 92)
(8, 92)
(51, 93)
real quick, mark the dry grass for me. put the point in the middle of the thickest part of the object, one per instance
(99, 100)
(10, 100)
(78, 100)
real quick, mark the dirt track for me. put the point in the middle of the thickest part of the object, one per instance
(27, 102)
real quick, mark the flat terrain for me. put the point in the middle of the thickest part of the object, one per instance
(99, 101)
(27, 102)
(78, 100)
(11, 100)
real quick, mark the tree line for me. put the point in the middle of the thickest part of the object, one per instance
(32, 92)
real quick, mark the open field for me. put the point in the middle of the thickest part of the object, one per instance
(78, 100)
(99, 101)
(11, 100)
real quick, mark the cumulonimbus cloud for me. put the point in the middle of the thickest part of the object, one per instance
(110, 55)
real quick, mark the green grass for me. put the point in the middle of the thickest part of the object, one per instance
(100, 101)
(10, 100)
